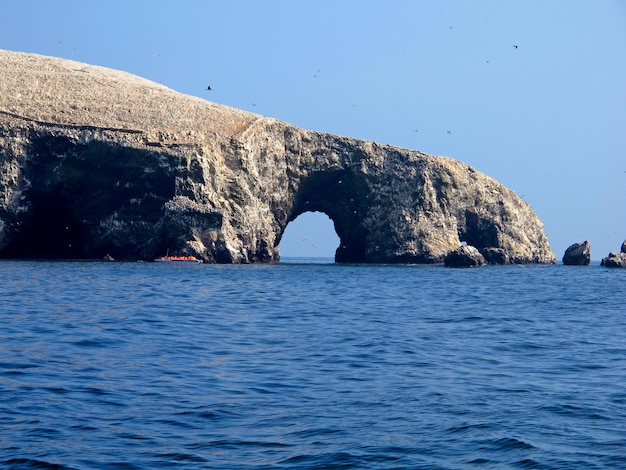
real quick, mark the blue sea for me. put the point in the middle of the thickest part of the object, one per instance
(311, 365)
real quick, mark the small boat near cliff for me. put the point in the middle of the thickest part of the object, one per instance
(178, 259)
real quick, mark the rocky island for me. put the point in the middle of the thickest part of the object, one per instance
(96, 162)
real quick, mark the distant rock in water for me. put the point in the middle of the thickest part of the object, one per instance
(95, 162)
(463, 257)
(616, 260)
(578, 254)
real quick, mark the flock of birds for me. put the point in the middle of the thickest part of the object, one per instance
(208, 88)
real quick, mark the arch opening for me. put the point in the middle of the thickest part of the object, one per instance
(478, 231)
(310, 235)
(342, 196)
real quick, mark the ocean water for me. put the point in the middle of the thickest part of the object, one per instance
(311, 365)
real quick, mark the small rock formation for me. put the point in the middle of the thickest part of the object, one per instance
(495, 255)
(97, 162)
(578, 254)
(463, 257)
(615, 260)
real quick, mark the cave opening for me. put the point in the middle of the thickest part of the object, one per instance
(51, 232)
(478, 231)
(75, 188)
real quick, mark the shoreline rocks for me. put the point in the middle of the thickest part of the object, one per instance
(465, 256)
(495, 255)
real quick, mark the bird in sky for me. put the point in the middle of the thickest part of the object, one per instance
(515, 46)
(209, 88)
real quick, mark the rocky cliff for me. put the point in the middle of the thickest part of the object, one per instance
(97, 162)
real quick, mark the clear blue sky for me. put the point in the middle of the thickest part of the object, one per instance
(547, 119)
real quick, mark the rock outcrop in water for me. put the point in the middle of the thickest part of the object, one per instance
(578, 254)
(464, 257)
(616, 260)
(97, 162)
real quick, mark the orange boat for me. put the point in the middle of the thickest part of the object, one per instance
(179, 259)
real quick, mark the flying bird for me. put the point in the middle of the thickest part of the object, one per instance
(515, 46)
(209, 88)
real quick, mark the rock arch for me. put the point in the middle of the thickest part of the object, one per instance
(102, 162)
(340, 195)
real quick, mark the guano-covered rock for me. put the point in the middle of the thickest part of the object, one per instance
(95, 162)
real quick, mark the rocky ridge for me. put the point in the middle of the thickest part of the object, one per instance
(97, 162)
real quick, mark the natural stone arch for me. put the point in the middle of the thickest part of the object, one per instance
(340, 195)
(219, 183)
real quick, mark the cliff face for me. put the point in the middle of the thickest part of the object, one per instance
(95, 161)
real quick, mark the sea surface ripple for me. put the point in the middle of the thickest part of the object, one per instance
(311, 365)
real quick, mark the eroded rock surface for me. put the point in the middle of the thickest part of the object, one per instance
(97, 162)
